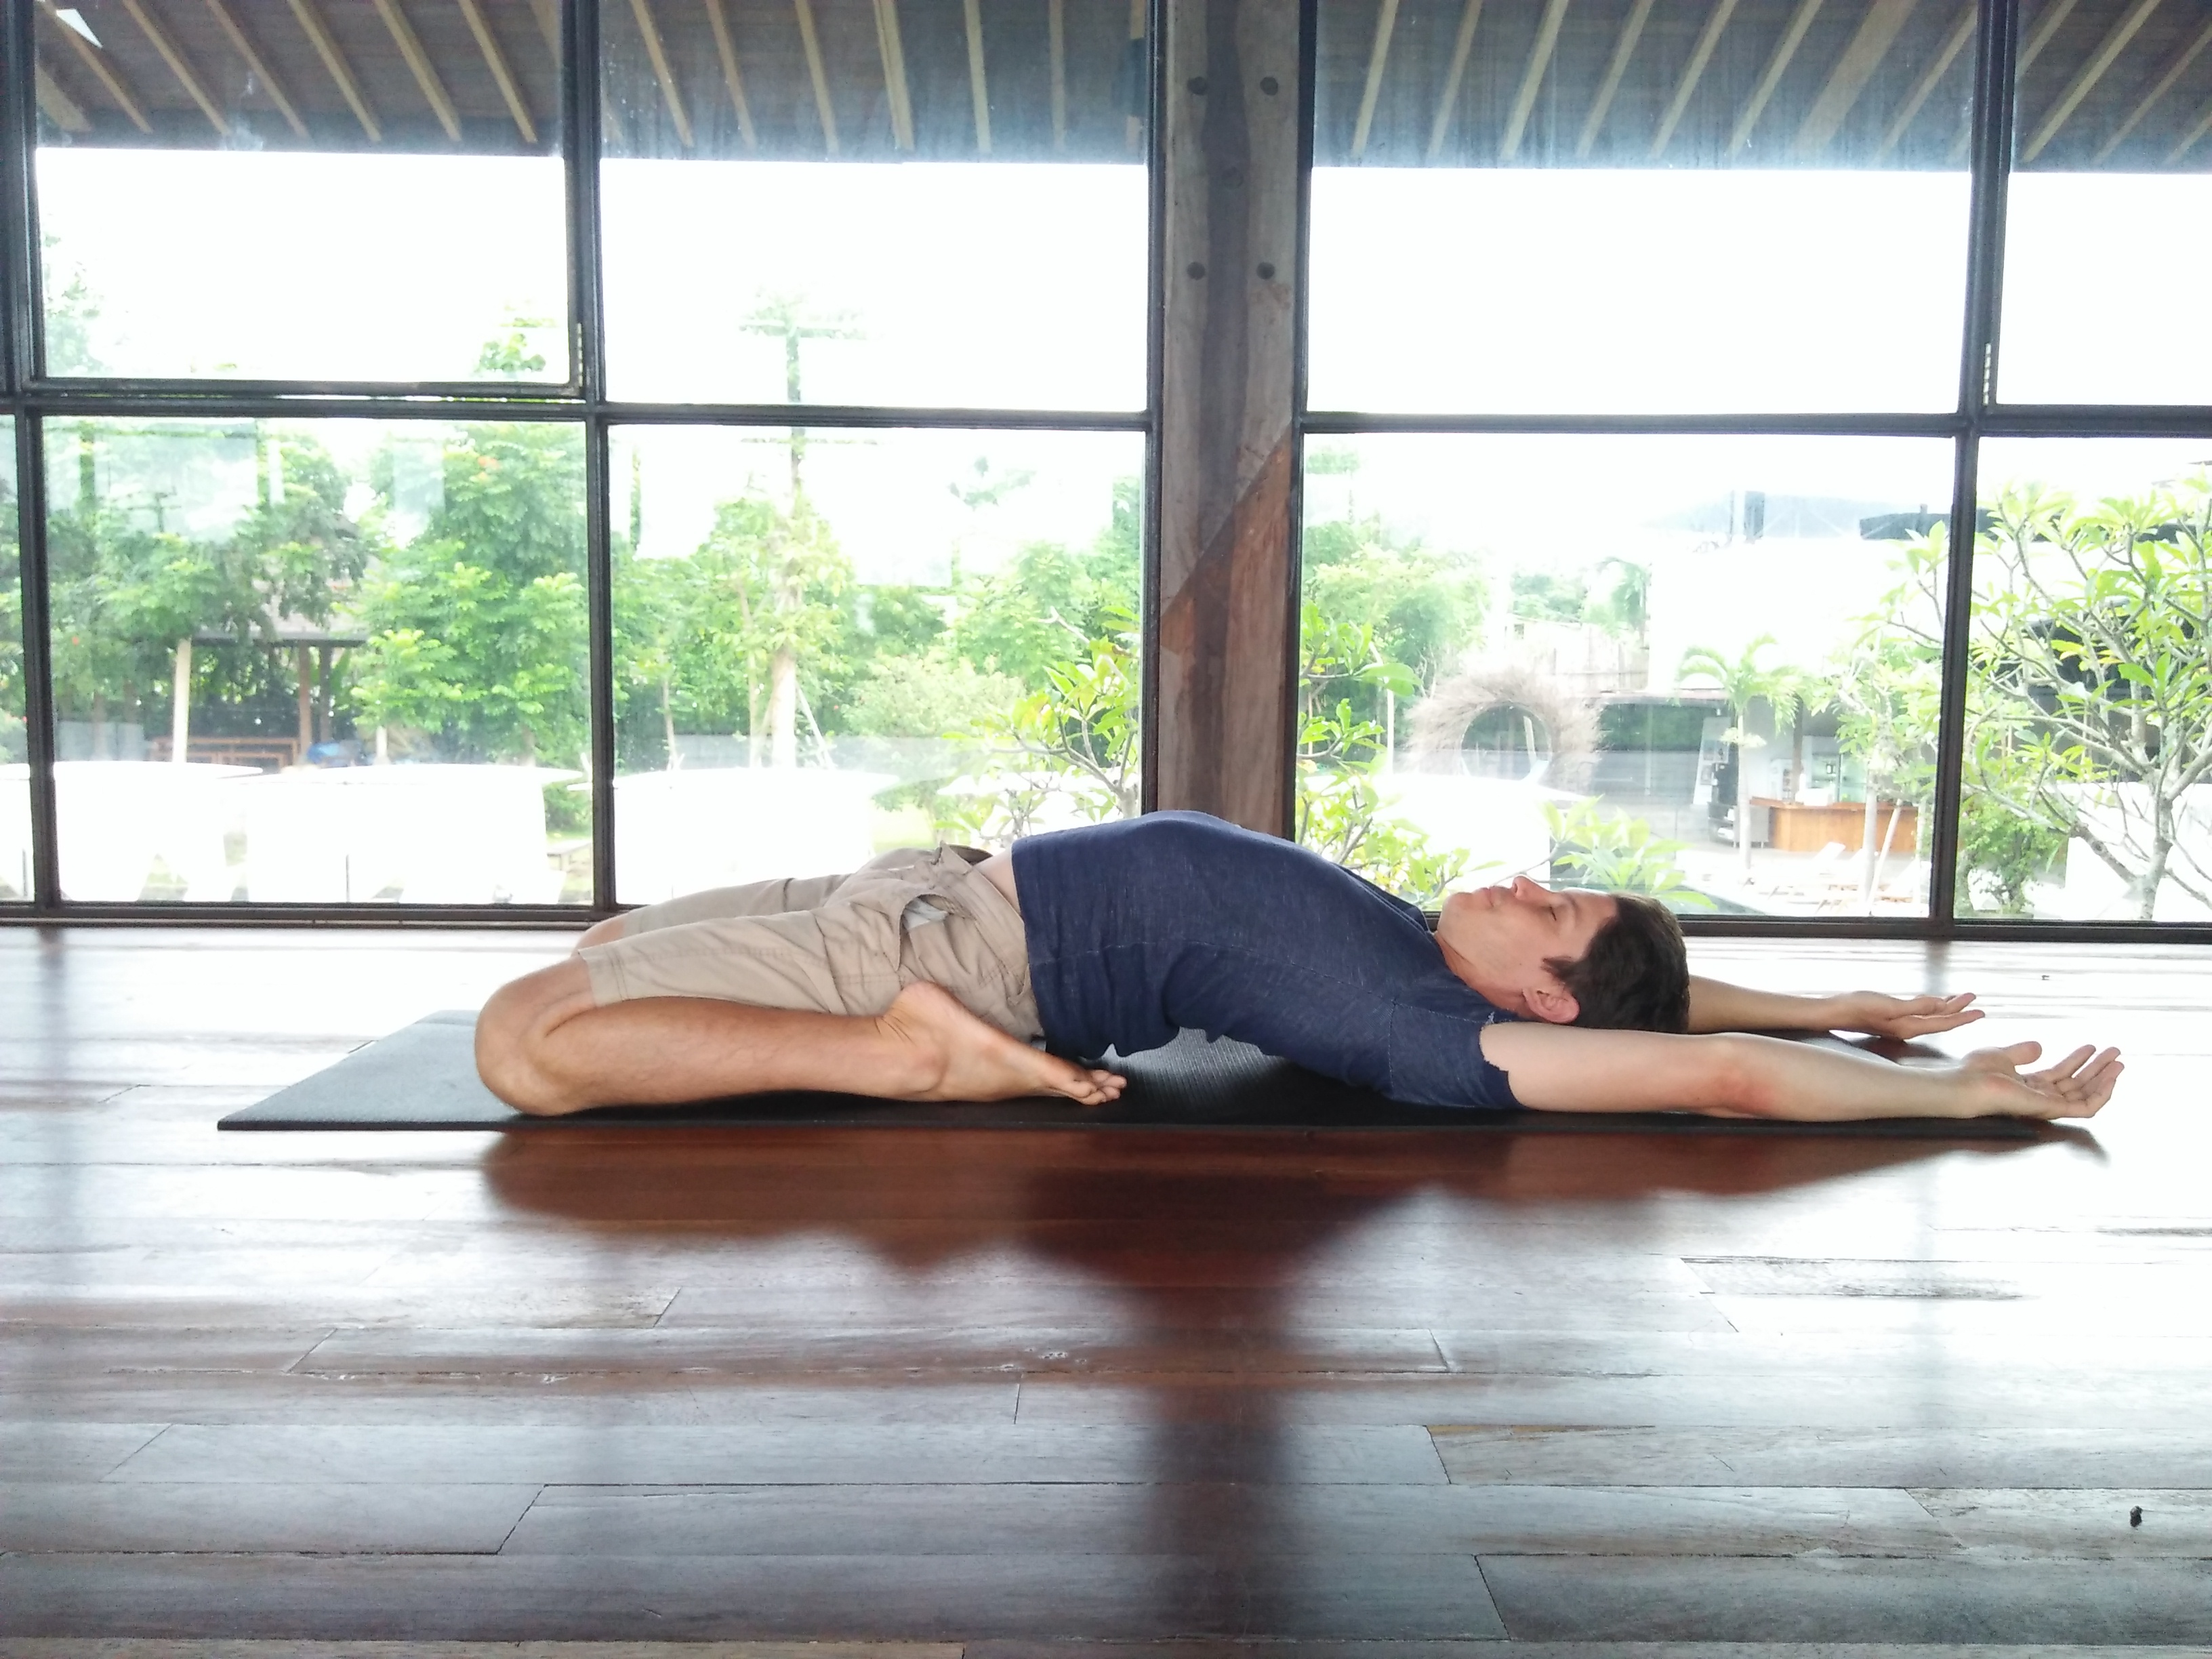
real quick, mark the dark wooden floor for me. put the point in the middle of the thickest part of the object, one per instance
(1025, 1391)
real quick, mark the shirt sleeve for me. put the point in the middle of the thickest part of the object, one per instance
(1437, 1059)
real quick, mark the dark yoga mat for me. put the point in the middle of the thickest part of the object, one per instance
(425, 1078)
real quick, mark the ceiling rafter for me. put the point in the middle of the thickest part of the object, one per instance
(1448, 100)
(60, 108)
(419, 65)
(823, 107)
(334, 60)
(496, 61)
(890, 47)
(733, 77)
(2182, 59)
(1962, 30)
(979, 86)
(2085, 80)
(1378, 56)
(2191, 138)
(1622, 50)
(175, 60)
(1700, 55)
(656, 51)
(1778, 65)
(1055, 19)
(96, 62)
(1532, 78)
(1847, 80)
(243, 44)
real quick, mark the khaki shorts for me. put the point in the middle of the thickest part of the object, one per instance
(834, 944)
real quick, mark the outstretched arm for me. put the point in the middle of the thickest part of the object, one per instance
(1563, 1069)
(1716, 1005)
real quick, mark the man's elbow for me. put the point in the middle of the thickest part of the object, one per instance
(1736, 1080)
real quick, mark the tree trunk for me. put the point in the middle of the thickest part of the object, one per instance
(783, 708)
(1743, 798)
(180, 702)
(303, 663)
(668, 724)
(1869, 860)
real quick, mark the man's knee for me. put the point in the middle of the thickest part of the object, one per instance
(513, 1033)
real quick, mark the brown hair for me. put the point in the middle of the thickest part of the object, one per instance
(1636, 974)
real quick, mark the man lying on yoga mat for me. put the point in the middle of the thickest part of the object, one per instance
(929, 975)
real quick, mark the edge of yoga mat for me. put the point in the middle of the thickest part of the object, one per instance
(423, 1077)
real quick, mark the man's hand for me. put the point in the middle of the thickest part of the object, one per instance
(2077, 1086)
(1904, 1017)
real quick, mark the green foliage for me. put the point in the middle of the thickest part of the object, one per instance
(1546, 596)
(1424, 608)
(1339, 807)
(1592, 848)
(476, 630)
(930, 694)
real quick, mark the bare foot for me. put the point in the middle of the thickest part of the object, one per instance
(969, 1060)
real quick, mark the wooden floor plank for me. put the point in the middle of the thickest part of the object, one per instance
(839, 1597)
(1851, 1600)
(120, 1518)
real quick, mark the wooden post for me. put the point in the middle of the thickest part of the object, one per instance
(1228, 468)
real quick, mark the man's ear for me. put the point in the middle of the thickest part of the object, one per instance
(1551, 1002)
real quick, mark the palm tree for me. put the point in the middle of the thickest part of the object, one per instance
(1743, 682)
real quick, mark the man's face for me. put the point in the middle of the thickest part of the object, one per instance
(1498, 939)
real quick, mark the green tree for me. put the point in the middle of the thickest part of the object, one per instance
(1745, 682)
(477, 628)
(1592, 848)
(1338, 804)
(2089, 685)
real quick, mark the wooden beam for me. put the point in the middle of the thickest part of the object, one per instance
(1133, 132)
(1448, 100)
(813, 42)
(1227, 645)
(548, 14)
(1622, 50)
(1685, 89)
(2189, 139)
(178, 67)
(1962, 30)
(1532, 78)
(732, 77)
(334, 60)
(890, 47)
(979, 86)
(2086, 78)
(2188, 55)
(1785, 49)
(657, 51)
(419, 65)
(1379, 54)
(1055, 20)
(61, 109)
(243, 44)
(1847, 80)
(96, 62)
(496, 61)
(2046, 25)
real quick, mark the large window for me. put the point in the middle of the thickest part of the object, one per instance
(1699, 667)
(829, 643)
(257, 190)
(319, 661)
(1524, 206)
(495, 457)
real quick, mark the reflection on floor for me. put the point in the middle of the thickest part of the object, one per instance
(1032, 1390)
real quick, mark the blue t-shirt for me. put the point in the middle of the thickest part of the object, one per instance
(1140, 928)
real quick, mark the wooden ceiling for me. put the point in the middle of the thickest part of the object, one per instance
(2124, 84)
